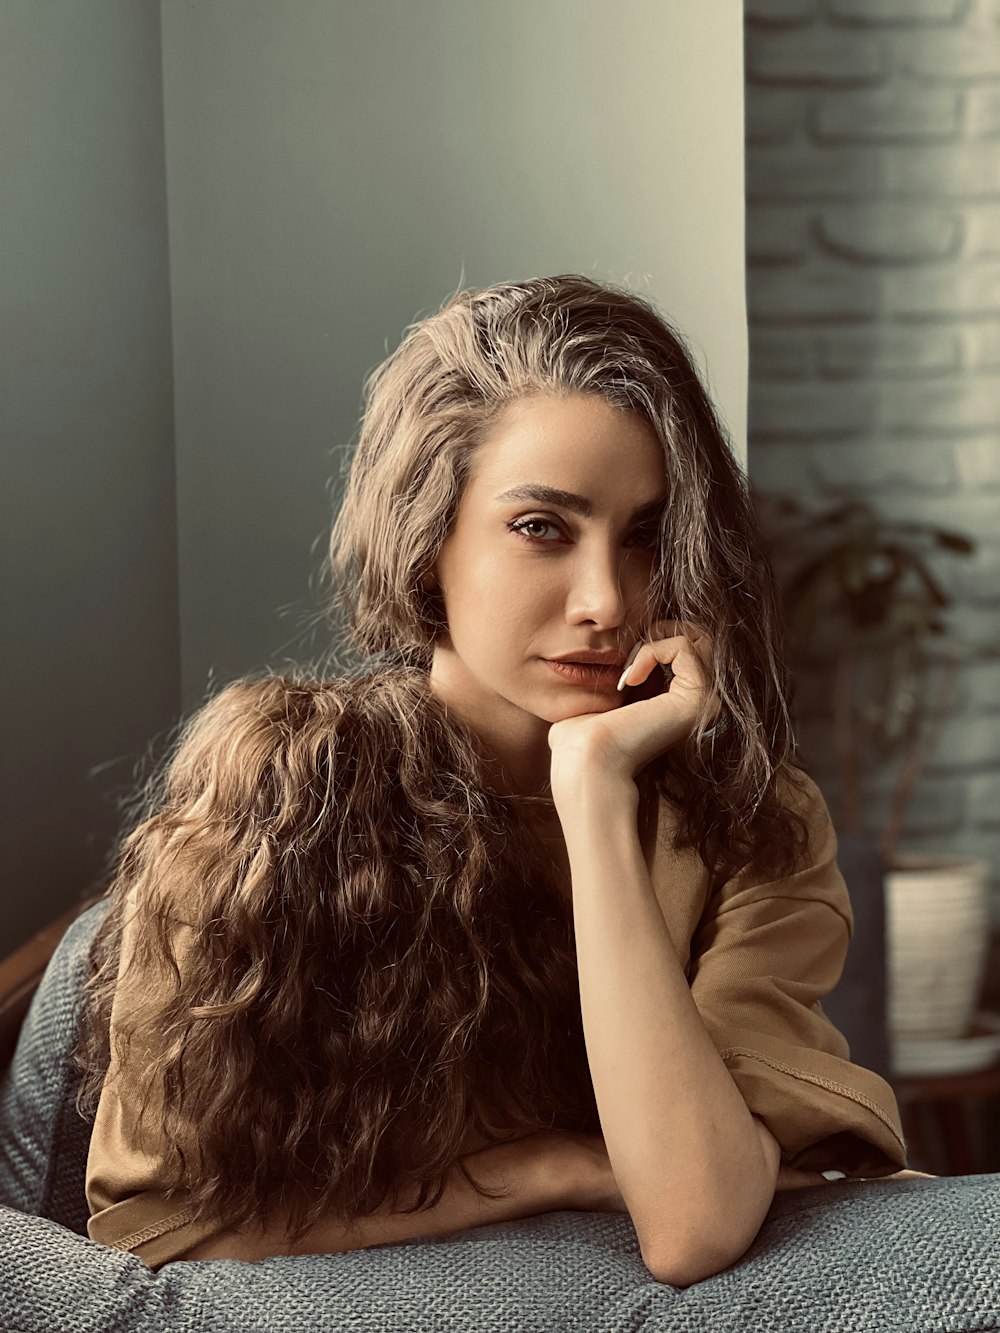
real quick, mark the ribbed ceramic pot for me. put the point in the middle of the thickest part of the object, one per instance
(937, 933)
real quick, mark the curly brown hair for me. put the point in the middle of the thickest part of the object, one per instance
(329, 946)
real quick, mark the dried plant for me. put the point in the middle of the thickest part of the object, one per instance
(862, 583)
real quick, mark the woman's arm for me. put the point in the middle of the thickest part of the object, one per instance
(682, 1142)
(540, 1173)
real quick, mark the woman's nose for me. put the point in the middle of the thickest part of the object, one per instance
(598, 593)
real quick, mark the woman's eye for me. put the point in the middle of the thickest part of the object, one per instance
(521, 525)
(648, 535)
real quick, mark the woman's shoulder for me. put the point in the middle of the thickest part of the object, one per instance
(266, 692)
(270, 704)
(250, 719)
(793, 790)
(796, 836)
(798, 792)
(808, 846)
(284, 728)
(272, 692)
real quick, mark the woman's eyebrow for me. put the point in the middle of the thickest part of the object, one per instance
(578, 504)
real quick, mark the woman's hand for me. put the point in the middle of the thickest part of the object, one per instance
(789, 1179)
(625, 739)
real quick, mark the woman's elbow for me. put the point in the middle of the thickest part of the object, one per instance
(695, 1265)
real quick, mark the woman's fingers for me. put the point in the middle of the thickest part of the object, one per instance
(790, 1179)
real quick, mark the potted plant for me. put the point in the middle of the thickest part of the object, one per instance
(858, 586)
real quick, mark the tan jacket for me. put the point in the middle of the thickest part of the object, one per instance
(759, 957)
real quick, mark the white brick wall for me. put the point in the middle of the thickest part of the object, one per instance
(873, 284)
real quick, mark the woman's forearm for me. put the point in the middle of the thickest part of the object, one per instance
(681, 1140)
(523, 1169)
(528, 1170)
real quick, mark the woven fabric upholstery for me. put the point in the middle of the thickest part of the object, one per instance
(916, 1256)
(913, 1256)
(43, 1139)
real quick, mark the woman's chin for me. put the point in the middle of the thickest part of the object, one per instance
(581, 706)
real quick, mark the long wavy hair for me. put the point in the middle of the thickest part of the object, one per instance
(333, 951)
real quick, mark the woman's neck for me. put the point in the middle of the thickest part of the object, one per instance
(513, 742)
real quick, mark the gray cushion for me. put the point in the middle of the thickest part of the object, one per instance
(43, 1139)
(917, 1255)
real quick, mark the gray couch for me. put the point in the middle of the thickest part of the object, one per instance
(915, 1255)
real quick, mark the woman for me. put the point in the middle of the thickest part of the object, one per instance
(465, 933)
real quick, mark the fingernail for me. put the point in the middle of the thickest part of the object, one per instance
(834, 1175)
(628, 663)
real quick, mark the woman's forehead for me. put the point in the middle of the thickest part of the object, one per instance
(578, 445)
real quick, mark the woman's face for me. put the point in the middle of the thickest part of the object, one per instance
(525, 579)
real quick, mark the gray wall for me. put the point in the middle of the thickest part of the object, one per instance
(90, 668)
(332, 172)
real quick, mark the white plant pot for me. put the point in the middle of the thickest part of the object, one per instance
(937, 936)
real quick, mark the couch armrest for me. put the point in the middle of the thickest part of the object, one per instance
(21, 971)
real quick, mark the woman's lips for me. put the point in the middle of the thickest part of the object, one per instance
(581, 674)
